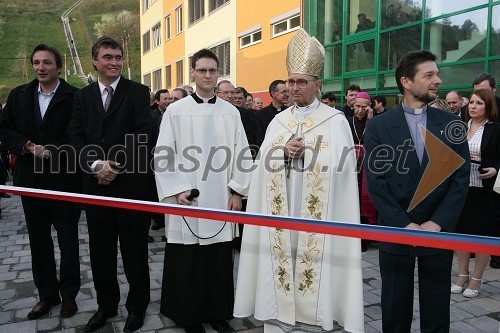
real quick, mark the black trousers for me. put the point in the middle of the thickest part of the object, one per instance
(106, 227)
(397, 272)
(40, 216)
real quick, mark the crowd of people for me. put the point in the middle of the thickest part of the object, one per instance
(309, 159)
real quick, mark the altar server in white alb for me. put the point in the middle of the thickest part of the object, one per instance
(302, 281)
(202, 145)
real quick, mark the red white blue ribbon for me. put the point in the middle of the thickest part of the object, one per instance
(440, 240)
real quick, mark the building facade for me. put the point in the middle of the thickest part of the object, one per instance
(249, 38)
(364, 39)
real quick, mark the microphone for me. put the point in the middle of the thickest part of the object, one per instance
(195, 193)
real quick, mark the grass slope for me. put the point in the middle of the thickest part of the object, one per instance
(28, 23)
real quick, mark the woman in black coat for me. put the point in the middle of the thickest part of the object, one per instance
(481, 212)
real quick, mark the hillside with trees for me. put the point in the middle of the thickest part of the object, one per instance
(24, 24)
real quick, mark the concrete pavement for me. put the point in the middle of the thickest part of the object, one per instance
(18, 293)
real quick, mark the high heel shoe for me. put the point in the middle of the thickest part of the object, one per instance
(456, 289)
(471, 293)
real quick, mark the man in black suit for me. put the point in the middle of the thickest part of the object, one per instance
(33, 126)
(392, 182)
(280, 95)
(162, 99)
(110, 129)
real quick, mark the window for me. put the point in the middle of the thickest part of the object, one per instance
(146, 43)
(180, 73)
(156, 80)
(168, 76)
(145, 5)
(196, 10)
(282, 27)
(191, 78)
(156, 35)
(459, 37)
(214, 4)
(223, 54)
(251, 38)
(146, 80)
(168, 32)
(178, 18)
(329, 19)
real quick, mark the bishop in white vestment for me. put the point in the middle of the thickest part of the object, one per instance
(301, 281)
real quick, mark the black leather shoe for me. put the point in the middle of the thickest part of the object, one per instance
(134, 321)
(221, 326)
(495, 262)
(157, 225)
(198, 328)
(99, 319)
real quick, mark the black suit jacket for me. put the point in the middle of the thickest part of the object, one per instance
(263, 118)
(490, 152)
(21, 121)
(121, 134)
(393, 181)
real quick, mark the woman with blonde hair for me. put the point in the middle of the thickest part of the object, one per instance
(481, 212)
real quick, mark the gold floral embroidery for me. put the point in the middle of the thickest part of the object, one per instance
(277, 200)
(310, 257)
(279, 250)
(314, 204)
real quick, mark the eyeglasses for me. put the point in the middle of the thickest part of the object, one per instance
(204, 71)
(300, 82)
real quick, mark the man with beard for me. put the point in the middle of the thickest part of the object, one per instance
(392, 182)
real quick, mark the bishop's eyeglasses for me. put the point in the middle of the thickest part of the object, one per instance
(300, 82)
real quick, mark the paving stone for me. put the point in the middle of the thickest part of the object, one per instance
(471, 308)
(49, 324)
(152, 323)
(5, 317)
(8, 261)
(24, 327)
(79, 319)
(7, 294)
(21, 253)
(4, 255)
(22, 303)
(373, 311)
(484, 323)
(458, 314)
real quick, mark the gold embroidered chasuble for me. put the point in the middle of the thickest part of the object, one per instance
(301, 277)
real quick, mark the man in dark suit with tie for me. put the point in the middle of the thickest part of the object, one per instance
(110, 129)
(33, 126)
(396, 158)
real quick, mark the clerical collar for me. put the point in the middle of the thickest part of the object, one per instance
(302, 112)
(410, 110)
(201, 100)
